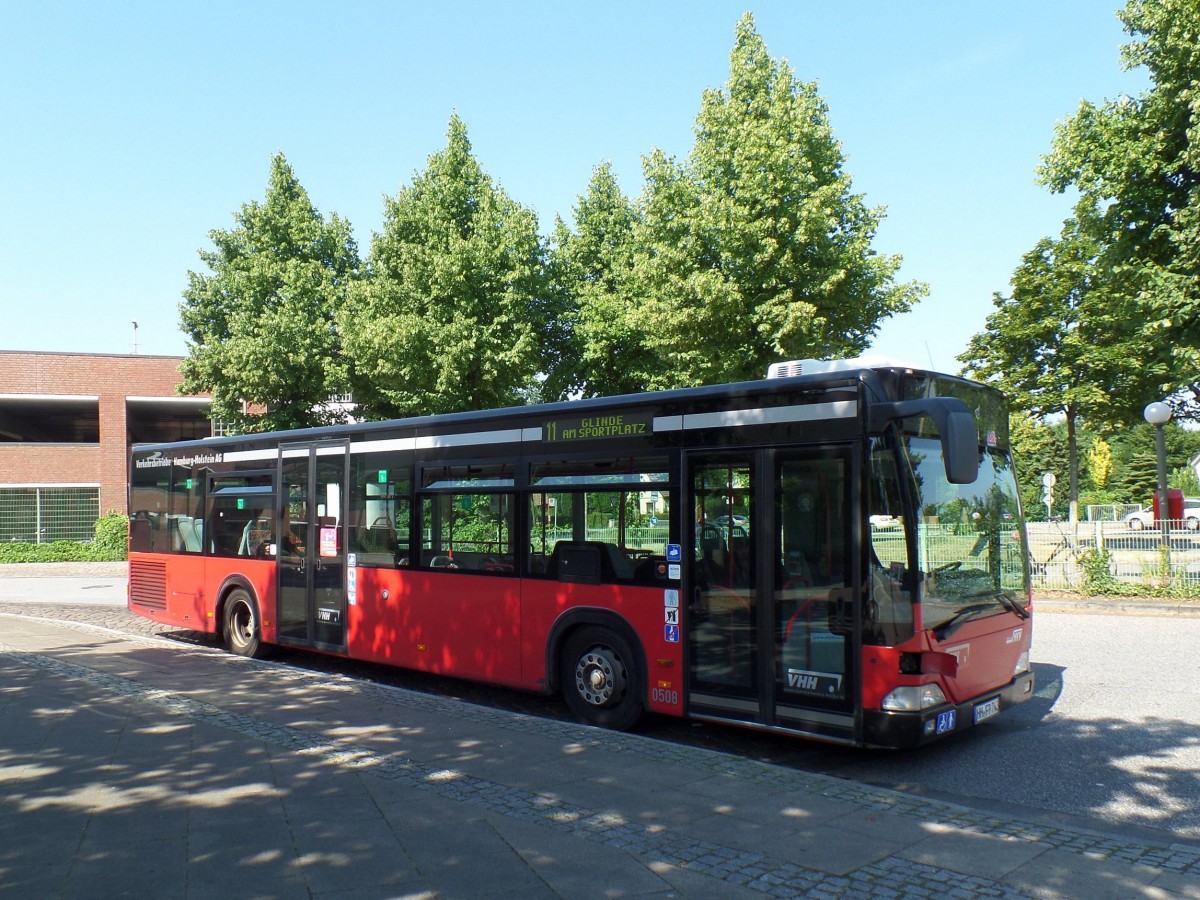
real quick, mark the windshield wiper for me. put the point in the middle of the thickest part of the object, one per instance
(947, 628)
(1012, 604)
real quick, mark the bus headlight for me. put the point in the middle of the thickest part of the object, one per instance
(913, 698)
(1022, 665)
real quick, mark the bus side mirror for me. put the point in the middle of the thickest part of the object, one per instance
(956, 428)
(960, 447)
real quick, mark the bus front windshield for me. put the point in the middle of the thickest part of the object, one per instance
(969, 539)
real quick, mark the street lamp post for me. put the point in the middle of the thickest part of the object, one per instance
(1158, 414)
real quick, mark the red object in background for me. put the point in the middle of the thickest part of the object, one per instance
(1174, 505)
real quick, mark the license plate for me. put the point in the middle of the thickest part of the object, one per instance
(987, 710)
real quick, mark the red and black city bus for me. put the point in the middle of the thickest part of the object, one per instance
(837, 552)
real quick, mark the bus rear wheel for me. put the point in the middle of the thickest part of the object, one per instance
(241, 626)
(599, 679)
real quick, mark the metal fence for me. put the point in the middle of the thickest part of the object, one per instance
(41, 515)
(1066, 557)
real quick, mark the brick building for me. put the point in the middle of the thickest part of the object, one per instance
(67, 421)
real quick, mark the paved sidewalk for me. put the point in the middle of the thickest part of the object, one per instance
(75, 584)
(134, 767)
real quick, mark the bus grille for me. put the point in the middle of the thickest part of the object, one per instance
(148, 584)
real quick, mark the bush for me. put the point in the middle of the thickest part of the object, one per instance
(1096, 566)
(111, 537)
(58, 551)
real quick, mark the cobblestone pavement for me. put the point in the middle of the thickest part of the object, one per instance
(931, 848)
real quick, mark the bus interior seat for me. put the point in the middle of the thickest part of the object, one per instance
(622, 565)
(191, 534)
(589, 562)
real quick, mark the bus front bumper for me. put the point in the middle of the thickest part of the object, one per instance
(883, 728)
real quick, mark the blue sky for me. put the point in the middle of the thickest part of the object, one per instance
(129, 130)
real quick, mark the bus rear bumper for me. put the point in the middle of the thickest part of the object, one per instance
(883, 728)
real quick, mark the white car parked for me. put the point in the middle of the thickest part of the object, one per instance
(1144, 518)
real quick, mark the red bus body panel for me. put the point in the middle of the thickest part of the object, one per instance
(468, 626)
(984, 654)
(478, 627)
(185, 591)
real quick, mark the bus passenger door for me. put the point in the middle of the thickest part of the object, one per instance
(311, 546)
(721, 616)
(770, 604)
(814, 608)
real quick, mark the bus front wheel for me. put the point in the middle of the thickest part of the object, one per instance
(599, 679)
(242, 631)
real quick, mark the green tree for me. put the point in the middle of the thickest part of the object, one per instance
(1137, 161)
(1184, 478)
(452, 312)
(593, 266)
(1046, 344)
(755, 248)
(260, 327)
(1135, 465)
(1039, 448)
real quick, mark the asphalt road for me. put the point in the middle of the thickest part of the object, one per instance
(1111, 738)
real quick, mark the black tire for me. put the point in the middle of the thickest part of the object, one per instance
(599, 679)
(241, 626)
(1135, 524)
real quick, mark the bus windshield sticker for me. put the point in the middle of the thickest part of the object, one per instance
(591, 428)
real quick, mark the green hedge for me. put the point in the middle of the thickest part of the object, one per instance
(108, 545)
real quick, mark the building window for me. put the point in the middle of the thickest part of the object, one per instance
(43, 514)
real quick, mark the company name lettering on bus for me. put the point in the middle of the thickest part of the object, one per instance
(822, 683)
(592, 427)
(158, 460)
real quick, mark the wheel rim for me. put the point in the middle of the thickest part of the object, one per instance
(599, 676)
(241, 624)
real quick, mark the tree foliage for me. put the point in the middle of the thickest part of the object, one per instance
(606, 351)
(1117, 466)
(1053, 344)
(260, 326)
(1136, 160)
(755, 248)
(451, 314)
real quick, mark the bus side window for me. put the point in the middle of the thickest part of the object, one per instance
(380, 508)
(629, 526)
(468, 532)
(140, 534)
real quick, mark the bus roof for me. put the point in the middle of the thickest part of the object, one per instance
(812, 374)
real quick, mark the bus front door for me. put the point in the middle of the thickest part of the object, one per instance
(721, 618)
(770, 609)
(311, 547)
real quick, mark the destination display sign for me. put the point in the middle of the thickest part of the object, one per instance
(593, 428)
